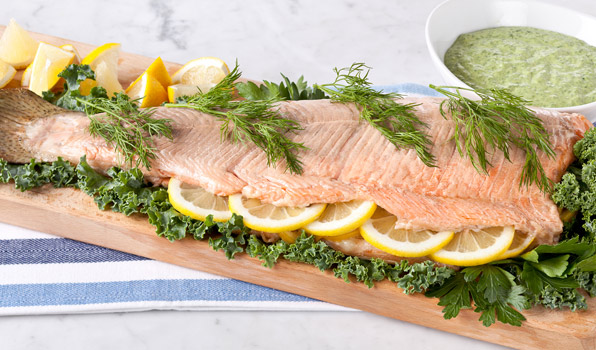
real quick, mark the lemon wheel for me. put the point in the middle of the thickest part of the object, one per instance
(351, 234)
(196, 202)
(476, 247)
(340, 218)
(270, 218)
(380, 231)
(521, 241)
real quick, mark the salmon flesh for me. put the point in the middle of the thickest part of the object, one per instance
(346, 159)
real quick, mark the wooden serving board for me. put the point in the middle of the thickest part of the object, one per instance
(71, 213)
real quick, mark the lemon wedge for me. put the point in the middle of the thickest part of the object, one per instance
(476, 247)
(270, 218)
(49, 61)
(178, 90)
(351, 234)
(17, 47)
(342, 217)
(205, 72)
(7, 72)
(104, 62)
(69, 47)
(380, 232)
(521, 241)
(148, 90)
(26, 77)
(196, 202)
(158, 69)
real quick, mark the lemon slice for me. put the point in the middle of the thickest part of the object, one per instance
(204, 71)
(17, 47)
(289, 236)
(178, 90)
(476, 247)
(196, 202)
(49, 61)
(340, 218)
(69, 47)
(149, 90)
(270, 218)
(104, 62)
(351, 234)
(380, 231)
(521, 241)
(7, 72)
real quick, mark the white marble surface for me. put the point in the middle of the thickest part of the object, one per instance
(307, 37)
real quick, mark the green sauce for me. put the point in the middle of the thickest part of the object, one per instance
(547, 68)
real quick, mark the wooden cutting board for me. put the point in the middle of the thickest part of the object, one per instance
(72, 214)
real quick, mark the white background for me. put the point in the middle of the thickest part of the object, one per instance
(299, 37)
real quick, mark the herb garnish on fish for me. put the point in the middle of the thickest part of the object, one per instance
(286, 90)
(257, 121)
(123, 125)
(497, 121)
(397, 122)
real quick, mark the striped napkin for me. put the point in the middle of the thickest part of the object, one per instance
(45, 274)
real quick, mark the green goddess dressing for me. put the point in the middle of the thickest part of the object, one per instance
(547, 68)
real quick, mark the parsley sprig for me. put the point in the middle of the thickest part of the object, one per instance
(256, 121)
(497, 121)
(286, 90)
(397, 122)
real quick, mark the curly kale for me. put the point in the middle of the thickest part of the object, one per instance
(550, 276)
(267, 253)
(417, 278)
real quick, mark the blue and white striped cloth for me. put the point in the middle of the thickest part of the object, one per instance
(45, 274)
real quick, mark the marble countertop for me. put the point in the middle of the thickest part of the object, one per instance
(298, 37)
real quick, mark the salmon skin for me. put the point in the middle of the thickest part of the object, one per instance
(346, 159)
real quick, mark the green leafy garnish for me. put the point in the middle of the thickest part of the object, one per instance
(493, 290)
(123, 125)
(577, 189)
(257, 121)
(286, 90)
(126, 127)
(497, 121)
(551, 276)
(70, 97)
(395, 121)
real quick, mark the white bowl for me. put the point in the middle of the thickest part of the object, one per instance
(454, 17)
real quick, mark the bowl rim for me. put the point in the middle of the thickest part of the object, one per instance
(435, 56)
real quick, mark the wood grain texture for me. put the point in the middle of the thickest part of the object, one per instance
(72, 214)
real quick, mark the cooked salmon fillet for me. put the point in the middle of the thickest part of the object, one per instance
(346, 159)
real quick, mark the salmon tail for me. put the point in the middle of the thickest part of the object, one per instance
(19, 108)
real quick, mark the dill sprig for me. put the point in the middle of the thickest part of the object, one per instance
(257, 121)
(497, 121)
(124, 126)
(396, 121)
